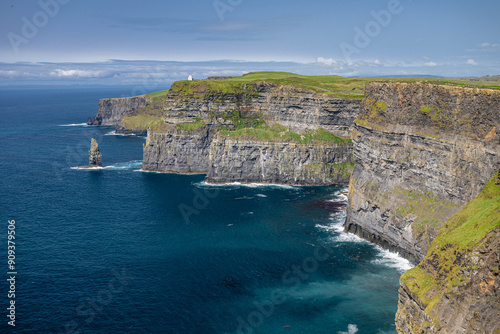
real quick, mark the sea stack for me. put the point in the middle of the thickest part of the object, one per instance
(95, 157)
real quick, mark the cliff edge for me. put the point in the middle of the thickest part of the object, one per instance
(422, 151)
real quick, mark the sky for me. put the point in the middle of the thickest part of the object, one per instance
(150, 42)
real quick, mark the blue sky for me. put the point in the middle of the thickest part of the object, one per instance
(130, 41)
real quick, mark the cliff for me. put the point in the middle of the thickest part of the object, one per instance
(290, 116)
(112, 111)
(422, 151)
(296, 108)
(289, 162)
(456, 287)
(174, 150)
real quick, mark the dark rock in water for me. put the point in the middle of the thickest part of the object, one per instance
(97, 120)
(124, 131)
(95, 157)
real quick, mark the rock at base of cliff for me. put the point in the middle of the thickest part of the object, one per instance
(95, 157)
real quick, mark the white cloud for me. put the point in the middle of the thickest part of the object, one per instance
(75, 73)
(471, 62)
(487, 47)
(324, 61)
(377, 62)
(430, 64)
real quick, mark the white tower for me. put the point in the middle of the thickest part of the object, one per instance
(190, 78)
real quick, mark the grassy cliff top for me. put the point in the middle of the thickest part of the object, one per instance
(341, 87)
(463, 233)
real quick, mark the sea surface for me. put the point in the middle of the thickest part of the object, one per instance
(117, 250)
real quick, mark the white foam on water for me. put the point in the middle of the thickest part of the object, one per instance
(113, 133)
(261, 195)
(351, 329)
(79, 124)
(337, 228)
(392, 259)
(249, 185)
(119, 166)
(90, 168)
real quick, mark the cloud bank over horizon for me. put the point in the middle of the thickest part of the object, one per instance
(119, 42)
(151, 73)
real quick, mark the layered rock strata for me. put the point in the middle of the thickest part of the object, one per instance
(176, 151)
(422, 151)
(244, 160)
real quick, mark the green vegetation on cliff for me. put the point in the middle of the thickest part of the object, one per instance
(190, 126)
(341, 87)
(448, 262)
(278, 132)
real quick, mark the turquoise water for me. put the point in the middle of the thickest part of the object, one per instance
(117, 250)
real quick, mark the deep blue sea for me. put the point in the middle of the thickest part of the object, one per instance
(118, 250)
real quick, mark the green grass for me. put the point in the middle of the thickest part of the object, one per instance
(278, 132)
(140, 122)
(343, 168)
(341, 87)
(460, 235)
(190, 126)
(158, 95)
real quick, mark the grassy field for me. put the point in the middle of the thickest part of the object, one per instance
(341, 87)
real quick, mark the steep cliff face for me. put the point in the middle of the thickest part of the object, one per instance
(244, 160)
(173, 150)
(243, 106)
(456, 287)
(296, 108)
(112, 111)
(422, 151)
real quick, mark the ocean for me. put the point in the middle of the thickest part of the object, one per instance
(117, 250)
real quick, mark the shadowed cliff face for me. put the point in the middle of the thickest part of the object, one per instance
(422, 151)
(244, 160)
(177, 151)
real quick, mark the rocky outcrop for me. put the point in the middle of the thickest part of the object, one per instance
(246, 160)
(172, 150)
(95, 157)
(456, 287)
(422, 151)
(112, 111)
